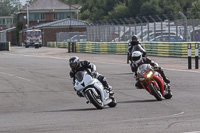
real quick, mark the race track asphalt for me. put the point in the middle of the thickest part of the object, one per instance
(36, 96)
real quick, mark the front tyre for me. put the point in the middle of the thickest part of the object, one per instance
(94, 100)
(155, 92)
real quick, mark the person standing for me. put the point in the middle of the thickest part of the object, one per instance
(197, 37)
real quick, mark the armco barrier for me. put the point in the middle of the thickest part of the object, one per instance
(62, 44)
(57, 44)
(152, 48)
(4, 46)
(172, 49)
(51, 44)
(102, 47)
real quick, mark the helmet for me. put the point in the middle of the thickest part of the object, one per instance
(74, 62)
(136, 57)
(134, 38)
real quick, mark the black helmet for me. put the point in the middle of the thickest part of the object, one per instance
(134, 37)
(74, 62)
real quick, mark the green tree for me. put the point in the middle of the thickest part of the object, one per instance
(7, 7)
(135, 6)
(150, 7)
(19, 27)
(171, 7)
(120, 11)
(195, 8)
(109, 9)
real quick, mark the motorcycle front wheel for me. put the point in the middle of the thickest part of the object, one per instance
(96, 101)
(157, 94)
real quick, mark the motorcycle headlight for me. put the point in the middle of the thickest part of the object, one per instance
(149, 74)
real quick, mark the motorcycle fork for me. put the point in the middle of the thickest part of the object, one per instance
(145, 83)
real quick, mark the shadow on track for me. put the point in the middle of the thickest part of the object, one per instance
(139, 101)
(69, 110)
(122, 74)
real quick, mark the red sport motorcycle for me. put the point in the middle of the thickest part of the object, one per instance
(153, 82)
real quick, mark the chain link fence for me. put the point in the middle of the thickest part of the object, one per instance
(165, 28)
(71, 37)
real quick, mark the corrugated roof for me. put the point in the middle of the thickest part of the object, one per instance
(9, 29)
(49, 5)
(63, 23)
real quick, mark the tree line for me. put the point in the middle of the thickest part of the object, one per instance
(93, 10)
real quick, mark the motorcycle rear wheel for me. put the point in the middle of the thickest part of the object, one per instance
(155, 92)
(93, 99)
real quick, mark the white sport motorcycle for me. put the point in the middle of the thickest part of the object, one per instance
(93, 90)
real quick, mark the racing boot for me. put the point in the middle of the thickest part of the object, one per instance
(166, 79)
(164, 76)
(103, 80)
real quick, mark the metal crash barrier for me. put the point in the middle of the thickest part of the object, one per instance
(4, 46)
(196, 56)
(71, 47)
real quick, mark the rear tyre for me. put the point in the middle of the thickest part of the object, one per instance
(26, 46)
(169, 95)
(94, 100)
(155, 92)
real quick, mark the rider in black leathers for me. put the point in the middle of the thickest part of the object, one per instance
(135, 45)
(77, 65)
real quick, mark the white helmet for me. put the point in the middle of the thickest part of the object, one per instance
(136, 57)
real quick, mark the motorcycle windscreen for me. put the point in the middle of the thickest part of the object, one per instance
(142, 68)
(79, 75)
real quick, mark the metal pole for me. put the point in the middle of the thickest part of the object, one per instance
(99, 25)
(123, 39)
(147, 26)
(141, 28)
(112, 31)
(154, 25)
(193, 33)
(129, 25)
(189, 56)
(108, 34)
(168, 26)
(27, 14)
(176, 22)
(197, 56)
(135, 25)
(70, 26)
(161, 27)
(185, 26)
(118, 29)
